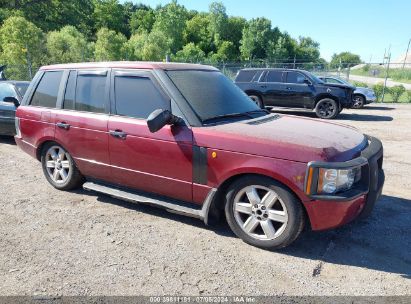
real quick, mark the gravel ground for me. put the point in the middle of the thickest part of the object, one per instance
(79, 243)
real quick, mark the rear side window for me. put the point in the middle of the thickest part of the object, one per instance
(47, 90)
(6, 90)
(274, 76)
(245, 76)
(295, 77)
(70, 91)
(138, 96)
(90, 93)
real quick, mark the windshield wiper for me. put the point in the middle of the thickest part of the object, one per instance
(231, 115)
(258, 111)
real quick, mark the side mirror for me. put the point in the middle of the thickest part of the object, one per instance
(159, 118)
(12, 100)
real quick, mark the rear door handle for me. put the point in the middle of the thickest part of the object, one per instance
(63, 125)
(118, 134)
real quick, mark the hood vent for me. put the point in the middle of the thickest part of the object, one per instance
(264, 119)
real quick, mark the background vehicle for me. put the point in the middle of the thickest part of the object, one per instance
(290, 88)
(15, 89)
(185, 138)
(361, 96)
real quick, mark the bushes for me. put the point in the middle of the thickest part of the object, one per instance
(392, 94)
(396, 92)
(360, 84)
(378, 88)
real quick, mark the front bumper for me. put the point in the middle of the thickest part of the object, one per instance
(330, 211)
(7, 126)
(370, 99)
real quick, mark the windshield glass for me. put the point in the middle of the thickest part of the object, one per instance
(316, 79)
(211, 94)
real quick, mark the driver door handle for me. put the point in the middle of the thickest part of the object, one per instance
(118, 134)
(63, 125)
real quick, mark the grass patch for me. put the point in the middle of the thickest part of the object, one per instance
(397, 74)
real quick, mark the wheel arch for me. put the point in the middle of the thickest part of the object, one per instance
(218, 203)
(44, 143)
(254, 92)
(325, 95)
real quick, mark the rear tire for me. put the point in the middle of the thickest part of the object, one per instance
(327, 108)
(257, 100)
(263, 213)
(59, 168)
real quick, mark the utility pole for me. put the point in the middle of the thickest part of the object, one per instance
(386, 73)
(294, 62)
(406, 54)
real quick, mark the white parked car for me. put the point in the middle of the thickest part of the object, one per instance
(361, 95)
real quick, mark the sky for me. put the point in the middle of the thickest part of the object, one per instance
(363, 27)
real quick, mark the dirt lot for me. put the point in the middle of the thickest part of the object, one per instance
(78, 243)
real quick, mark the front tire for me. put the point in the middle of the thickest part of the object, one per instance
(359, 102)
(257, 100)
(327, 108)
(263, 213)
(59, 168)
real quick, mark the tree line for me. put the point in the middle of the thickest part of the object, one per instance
(38, 32)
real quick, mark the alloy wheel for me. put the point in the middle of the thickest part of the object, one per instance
(58, 164)
(326, 109)
(358, 102)
(260, 212)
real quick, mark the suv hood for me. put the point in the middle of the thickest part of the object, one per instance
(339, 85)
(286, 137)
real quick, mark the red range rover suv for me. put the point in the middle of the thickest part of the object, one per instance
(185, 138)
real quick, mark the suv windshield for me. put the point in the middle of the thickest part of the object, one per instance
(213, 96)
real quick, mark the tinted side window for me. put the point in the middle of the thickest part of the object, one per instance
(245, 76)
(70, 91)
(47, 90)
(295, 77)
(6, 90)
(90, 93)
(138, 97)
(274, 76)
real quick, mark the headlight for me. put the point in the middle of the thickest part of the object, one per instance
(332, 180)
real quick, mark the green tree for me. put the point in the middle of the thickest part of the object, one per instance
(109, 14)
(347, 59)
(110, 46)
(190, 53)
(226, 52)
(218, 25)
(234, 33)
(142, 20)
(171, 21)
(152, 46)
(256, 36)
(67, 45)
(277, 51)
(22, 47)
(197, 32)
(51, 15)
(396, 92)
(307, 49)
